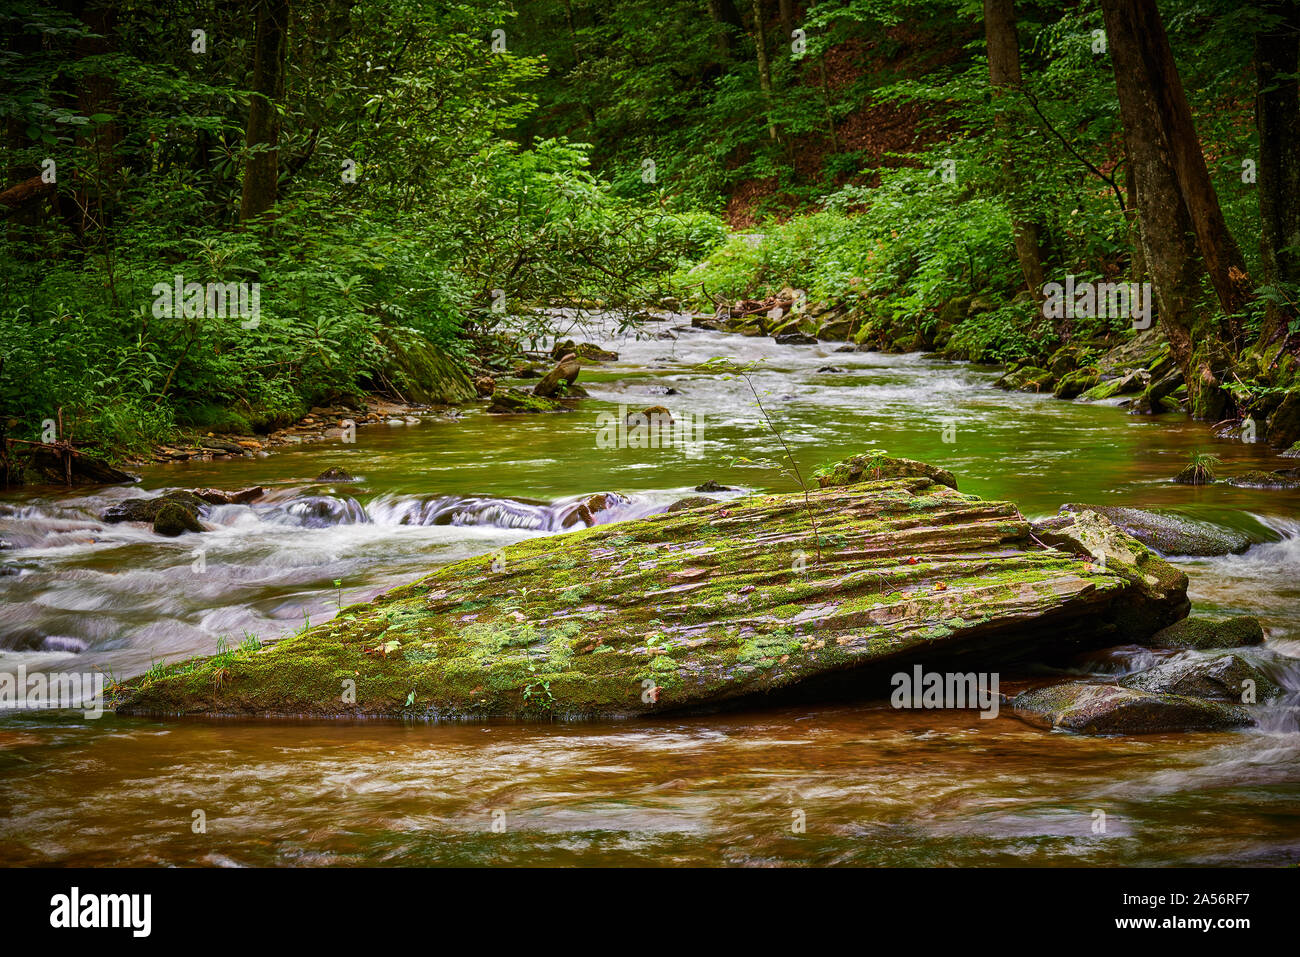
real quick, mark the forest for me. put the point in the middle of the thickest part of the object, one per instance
(611, 433)
(441, 171)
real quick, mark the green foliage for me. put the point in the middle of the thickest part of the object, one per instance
(405, 200)
(587, 161)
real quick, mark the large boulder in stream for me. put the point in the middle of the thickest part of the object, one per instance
(728, 604)
(564, 373)
(175, 519)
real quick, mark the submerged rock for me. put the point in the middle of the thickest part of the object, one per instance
(723, 604)
(325, 511)
(63, 643)
(1224, 677)
(1171, 534)
(1202, 633)
(1111, 709)
(336, 474)
(1257, 478)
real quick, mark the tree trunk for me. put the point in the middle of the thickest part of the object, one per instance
(1140, 19)
(1139, 264)
(1277, 117)
(1196, 336)
(826, 104)
(263, 135)
(1004, 74)
(764, 64)
(786, 8)
(588, 115)
(726, 19)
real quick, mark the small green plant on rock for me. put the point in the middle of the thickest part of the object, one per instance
(1199, 469)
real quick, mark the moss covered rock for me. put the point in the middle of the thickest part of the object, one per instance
(1076, 383)
(1091, 534)
(1283, 428)
(1257, 478)
(878, 465)
(512, 401)
(175, 519)
(1111, 709)
(1118, 385)
(1026, 379)
(1202, 633)
(726, 603)
(420, 371)
(1225, 677)
(147, 509)
(1168, 532)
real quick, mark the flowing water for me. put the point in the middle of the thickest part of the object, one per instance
(852, 784)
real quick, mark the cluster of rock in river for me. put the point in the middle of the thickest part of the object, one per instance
(741, 604)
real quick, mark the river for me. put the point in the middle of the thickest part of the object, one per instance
(843, 784)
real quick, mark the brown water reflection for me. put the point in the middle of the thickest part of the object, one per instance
(876, 787)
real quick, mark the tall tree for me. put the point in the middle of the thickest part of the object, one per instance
(1139, 21)
(1277, 118)
(1004, 75)
(1196, 332)
(262, 170)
